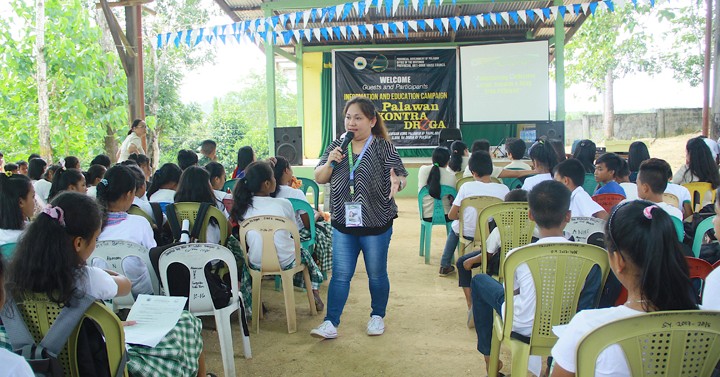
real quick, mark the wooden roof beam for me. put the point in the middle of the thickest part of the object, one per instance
(124, 3)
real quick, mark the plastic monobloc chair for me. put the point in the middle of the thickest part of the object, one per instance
(698, 192)
(462, 181)
(7, 250)
(478, 204)
(194, 256)
(267, 226)
(513, 223)
(608, 201)
(189, 210)
(665, 343)
(698, 270)
(229, 185)
(590, 184)
(700, 231)
(308, 183)
(559, 271)
(581, 228)
(679, 228)
(438, 218)
(114, 253)
(672, 199)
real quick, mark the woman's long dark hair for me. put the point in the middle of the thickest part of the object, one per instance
(36, 168)
(245, 156)
(457, 149)
(167, 173)
(118, 181)
(135, 123)
(544, 154)
(637, 153)
(652, 246)
(440, 158)
(45, 259)
(702, 164)
(64, 178)
(255, 175)
(368, 109)
(281, 163)
(194, 186)
(12, 189)
(93, 173)
(585, 153)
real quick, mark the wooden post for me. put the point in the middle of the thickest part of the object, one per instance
(135, 85)
(706, 68)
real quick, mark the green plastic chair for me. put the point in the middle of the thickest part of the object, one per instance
(461, 181)
(512, 183)
(229, 185)
(301, 205)
(700, 231)
(590, 183)
(308, 183)
(559, 271)
(8, 250)
(438, 218)
(515, 227)
(479, 203)
(680, 229)
(668, 343)
(39, 313)
(189, 210)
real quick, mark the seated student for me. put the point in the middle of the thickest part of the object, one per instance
(70, 162)
(245, 156)
(681, 192)
(699, 167)
(585, 153)
(433, 176)
(637, 153)
(622, 177)
(571, 173)
(36, 168)
(140, 185)
(12, 168)
(194, 186)
(51, 260)
(651, 184)
(12, 364)
(646, 257)
(144, 163)
(549, 203)
(559, 148)
(516, 171)
(92, 177)
(186, 158)
(516, 151)
(101, 159)
(252, 198)
(42, 186)
(544, 160)
(67, 180)
(115, 193)
(163, 184)
(458, 156)
(22, 167)
(606, 168)
(17, 200)
(481, 166)
(217, 180)
(208, 151)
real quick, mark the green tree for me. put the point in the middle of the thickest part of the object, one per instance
(686, 34)
(608, 46)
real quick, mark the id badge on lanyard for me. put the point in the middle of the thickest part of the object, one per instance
(353, 210)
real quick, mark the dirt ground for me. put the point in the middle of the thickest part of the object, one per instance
(425, 332)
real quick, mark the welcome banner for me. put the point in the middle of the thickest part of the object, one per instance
(414, 91)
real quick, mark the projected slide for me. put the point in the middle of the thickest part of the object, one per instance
(504, 82)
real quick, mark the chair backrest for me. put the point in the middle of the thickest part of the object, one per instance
(438, 217)
(39, 313)
(267, 226)
(513, 183)
(229, 185)
(667, 343)
(672, 199)
(308, 183)
(7, 250)
(459, 175)
(700, 231)
(608, 201)
(462, 181)
(679, 228)
(513, 223)
(114, 253)
(189, 210)
(698, 191)
(301, 205)
(559, 271)
(590, 184)
(698, 268)
(135, 210)
(194, 256)
(581, 228)
(479, 203)
(495, 180)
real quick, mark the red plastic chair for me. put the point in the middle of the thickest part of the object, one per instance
(608, 201)
(699, 269)
(716, 265)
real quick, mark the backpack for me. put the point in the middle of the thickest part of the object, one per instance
(161, 233)
(43, 357)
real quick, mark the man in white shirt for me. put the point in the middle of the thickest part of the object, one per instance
(652, 182)
(571, 173)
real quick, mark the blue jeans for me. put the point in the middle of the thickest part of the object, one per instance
(450, 246)
(487, 295)
(346, 249)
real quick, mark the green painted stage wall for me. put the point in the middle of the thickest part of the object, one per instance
(409, 192)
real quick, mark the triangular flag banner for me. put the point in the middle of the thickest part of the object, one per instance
(336, 32)
(561, 11)
(385, 28)
(393, 28)
(355, 31)
(546, 12)
(499, 17)
(363, 29)
(324, 33)
(430, 23)
(487, 18)
(514, 16)
(453, 23)
(466, 21)
(522, 15)
(554, 11)
(585, 7)
(474, 21)
(415, 4)
(421, 5)
(296, 33)
(371, 31)
(413, 25)
(395, 4)
(540, 14)
(610, 6)
(317, 34)
(421, 24)
(308, 35)
(340, 11)
(306, 18)
(592, 6)
(356, 6)
(406, 29)
(445, 23)
(343, 31)
(389, 7)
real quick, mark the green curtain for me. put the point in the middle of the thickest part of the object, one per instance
(326, 102)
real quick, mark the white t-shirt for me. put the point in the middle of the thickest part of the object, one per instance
(265, 205)
(711, 292)
(92, 191)
(163, 196)
(582, 205)
(97, 283)
(682, 193)
(287, 192)
(714, 148)
(42, 189)
(14, 365)
(447, 178)
(671, 210)
(630, 190)
(144, 205)
(9, 235)
(134, 229)
(612, 361)
(475, 188)
(530, 182)
(133, 138)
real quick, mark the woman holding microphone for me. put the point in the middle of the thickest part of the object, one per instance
(364, 180)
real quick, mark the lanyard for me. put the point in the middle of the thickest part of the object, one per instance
(354, 166)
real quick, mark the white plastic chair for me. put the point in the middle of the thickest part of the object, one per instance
(194, 257)
(114, 253)
(581, 228)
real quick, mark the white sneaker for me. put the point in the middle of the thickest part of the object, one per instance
(326, 330)
(375, 326)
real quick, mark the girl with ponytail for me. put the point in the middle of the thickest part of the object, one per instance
(67, 180)
(433, 176)
(458, 157)
(17, 200)
(544, 159)
(646, 257)
(164, 183)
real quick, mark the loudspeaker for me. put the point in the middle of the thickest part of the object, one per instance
(288, 143)
(552, 130)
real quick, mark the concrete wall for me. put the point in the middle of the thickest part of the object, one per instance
(661, 123)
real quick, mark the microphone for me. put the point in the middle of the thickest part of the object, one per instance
(346, 141)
